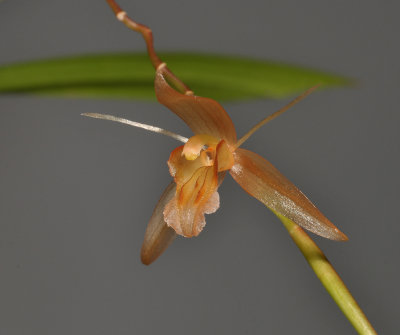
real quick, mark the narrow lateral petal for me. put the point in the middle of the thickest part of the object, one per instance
(262, 180)
(202, 115)
(158, 235)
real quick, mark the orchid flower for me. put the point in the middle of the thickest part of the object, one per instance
(200, 164)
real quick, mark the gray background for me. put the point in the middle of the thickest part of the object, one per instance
(76, 193)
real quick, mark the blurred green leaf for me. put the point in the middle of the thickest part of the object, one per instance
(131, 76)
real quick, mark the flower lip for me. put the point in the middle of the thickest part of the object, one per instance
(195, 167)
(193, 198)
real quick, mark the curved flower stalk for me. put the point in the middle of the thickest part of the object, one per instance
(198, 167)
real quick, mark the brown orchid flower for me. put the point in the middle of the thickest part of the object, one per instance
(200, 164)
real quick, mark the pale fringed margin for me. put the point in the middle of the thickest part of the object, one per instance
(328, 277)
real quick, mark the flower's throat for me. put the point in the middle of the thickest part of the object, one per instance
(208, 150)
(199, 144)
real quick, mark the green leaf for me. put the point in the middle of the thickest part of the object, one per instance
(130, 75)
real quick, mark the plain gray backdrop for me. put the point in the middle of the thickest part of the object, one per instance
(76, 193)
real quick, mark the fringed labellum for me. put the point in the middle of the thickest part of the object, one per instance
(195, 168)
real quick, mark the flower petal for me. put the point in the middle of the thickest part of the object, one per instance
(202, 115)
(185, 212)
(224, 157)
(158, 235)
(263, 181)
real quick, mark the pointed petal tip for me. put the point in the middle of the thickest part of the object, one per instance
(335, 234)
(151, 251)
(146, 258)
(341, 237)
(330, 232)
(89, 114)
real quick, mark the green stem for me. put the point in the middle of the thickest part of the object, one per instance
(329, 277)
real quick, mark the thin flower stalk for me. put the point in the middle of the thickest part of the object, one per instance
(328, 277)
(148, 37)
